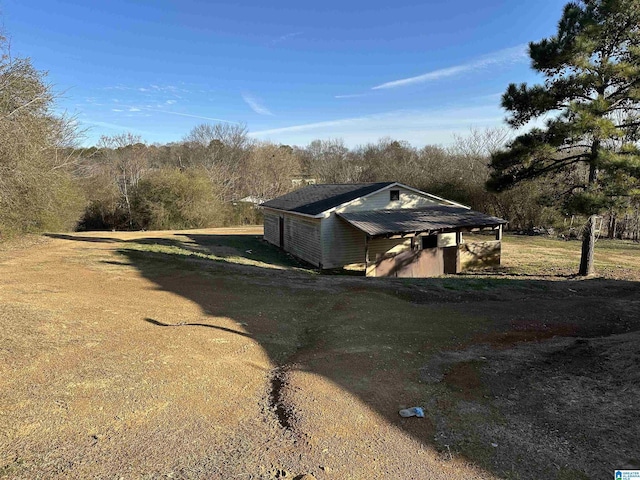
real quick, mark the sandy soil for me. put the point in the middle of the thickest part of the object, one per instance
(122, 360)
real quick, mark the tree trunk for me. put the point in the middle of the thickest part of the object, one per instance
(588, 245)
(611, 231)
(589, 234)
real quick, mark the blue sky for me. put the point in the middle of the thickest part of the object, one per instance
(419, 71)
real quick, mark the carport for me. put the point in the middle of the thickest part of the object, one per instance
(426, 242)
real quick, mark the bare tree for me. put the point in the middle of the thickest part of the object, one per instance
(36, 188)
(330, 161)
(473, 151)
(126, 159)
(222, 150)
(270, 169)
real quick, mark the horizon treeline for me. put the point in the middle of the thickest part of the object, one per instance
(201, 180)
(123, 183)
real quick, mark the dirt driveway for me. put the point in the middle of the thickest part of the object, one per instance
(208, 354)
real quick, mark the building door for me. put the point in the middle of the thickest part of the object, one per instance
(281, 225)
(451, 259)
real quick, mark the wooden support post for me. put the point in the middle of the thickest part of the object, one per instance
(499, 233)
(366, 257)
(366, 251)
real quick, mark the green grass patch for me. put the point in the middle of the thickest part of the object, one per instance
(247, 251)
(544, 256)
(251, 247)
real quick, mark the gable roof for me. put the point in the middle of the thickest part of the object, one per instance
(436, 218)
(315, 199)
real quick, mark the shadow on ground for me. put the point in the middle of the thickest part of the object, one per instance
(389, 342)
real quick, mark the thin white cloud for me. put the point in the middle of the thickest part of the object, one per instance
(169, 89)
(352, 95)
(419, 127)
(151, 108)
(170, 102)
(333, 124)
(491, 96)
(501, 57)
(255, 104)
(150, 89)
(433, 118)
(114, 126)
(285, 37)
(213, 119)
(116, 110)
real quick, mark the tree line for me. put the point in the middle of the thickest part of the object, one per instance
(202, 180)
(123, 183)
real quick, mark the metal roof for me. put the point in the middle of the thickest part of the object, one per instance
(435, 218)
(315, 199)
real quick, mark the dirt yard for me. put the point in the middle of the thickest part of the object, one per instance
(209, 354)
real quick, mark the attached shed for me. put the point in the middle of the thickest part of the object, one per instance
(389, 228)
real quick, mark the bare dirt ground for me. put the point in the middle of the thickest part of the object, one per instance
(209, 354)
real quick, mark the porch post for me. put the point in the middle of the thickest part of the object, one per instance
(366, 251)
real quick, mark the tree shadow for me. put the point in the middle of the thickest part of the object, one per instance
(206, 325)
(249, 246)
(371, 337)
(508, 272)
(301, 321)
(80, 238)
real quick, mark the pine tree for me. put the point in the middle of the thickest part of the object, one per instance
(591, 93)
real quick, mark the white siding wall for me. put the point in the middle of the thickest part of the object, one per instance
(301, 235)
(381, 201)
(302, 238)
(447, 240)
(342, 244)
(380, 246)
(271, 228)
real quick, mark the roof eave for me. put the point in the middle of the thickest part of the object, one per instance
(293, 212)
(449, 229)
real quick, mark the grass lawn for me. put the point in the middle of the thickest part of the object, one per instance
(543, 256)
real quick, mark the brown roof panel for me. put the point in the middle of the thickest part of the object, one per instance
(435, 218)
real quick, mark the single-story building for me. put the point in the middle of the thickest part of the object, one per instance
(390, 228)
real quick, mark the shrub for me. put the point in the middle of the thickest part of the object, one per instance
(173, 199)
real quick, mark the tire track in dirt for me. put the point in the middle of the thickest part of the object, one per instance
(279, 381)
